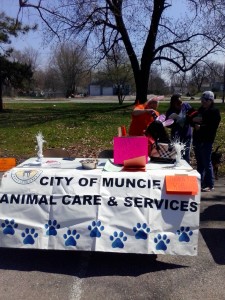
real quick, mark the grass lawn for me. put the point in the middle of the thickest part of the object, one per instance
(84, 129)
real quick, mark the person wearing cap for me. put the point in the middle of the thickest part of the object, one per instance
(205, 126)
(181, 129)
(143, 115)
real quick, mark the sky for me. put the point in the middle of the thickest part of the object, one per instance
(35, 39)
(32, 39)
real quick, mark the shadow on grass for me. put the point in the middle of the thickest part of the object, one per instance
(36, 114)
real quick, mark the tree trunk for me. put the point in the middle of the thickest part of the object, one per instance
(1, 100)
(121, 98)
(142, 86)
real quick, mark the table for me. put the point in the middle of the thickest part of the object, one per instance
(59, 205)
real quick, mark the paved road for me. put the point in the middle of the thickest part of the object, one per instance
(90, 99)
(67, 275)
(94, 99)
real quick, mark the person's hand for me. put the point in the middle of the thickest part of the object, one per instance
(150, 111)
(174, 116)
(197, 127)
(197, 119)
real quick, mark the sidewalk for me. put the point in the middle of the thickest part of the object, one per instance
(212, 221)
(170, 277)
(219, 190)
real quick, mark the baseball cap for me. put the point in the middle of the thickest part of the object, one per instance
(207, 95)
(155, 98)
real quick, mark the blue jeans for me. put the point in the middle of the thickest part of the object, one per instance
(203, 153)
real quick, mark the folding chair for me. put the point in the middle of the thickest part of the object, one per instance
(107, 153)
(56, 152)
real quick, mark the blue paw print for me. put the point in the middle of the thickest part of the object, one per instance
(184, 234)
(96, 228)
(70, 237)
(9, 227)
(118, 239)
(161, 242)
(52, 227)
(29, 235)
(141, 231)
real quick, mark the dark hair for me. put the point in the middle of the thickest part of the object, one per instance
(158, 132)
(174, 99)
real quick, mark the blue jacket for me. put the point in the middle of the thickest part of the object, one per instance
(181, 129)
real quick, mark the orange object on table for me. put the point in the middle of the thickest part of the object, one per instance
(7, 163)
(181, 184)
(124, 132)
(136, 164)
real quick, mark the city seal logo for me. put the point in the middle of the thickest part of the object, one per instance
(26, 176)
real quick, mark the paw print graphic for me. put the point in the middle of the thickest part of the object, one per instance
(71, 237)
(9, 227)
(161, 242)
(184, 234)
(141, 231)
(118, 239)
(29, 236)
(96, 228)
(52, 227)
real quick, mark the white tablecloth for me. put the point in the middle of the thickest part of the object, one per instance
(59, 205)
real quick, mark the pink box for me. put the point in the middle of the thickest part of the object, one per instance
(129, 147)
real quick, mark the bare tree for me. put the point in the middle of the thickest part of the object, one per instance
(199, 75)
(216, 71)
(207, 72)
(119, 71)
(52, 81)
(29, 56)
(70, 63)
(145, 28)
(157, 84)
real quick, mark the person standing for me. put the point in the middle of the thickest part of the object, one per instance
(143, 115)
(205, 127)
(181, 129)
